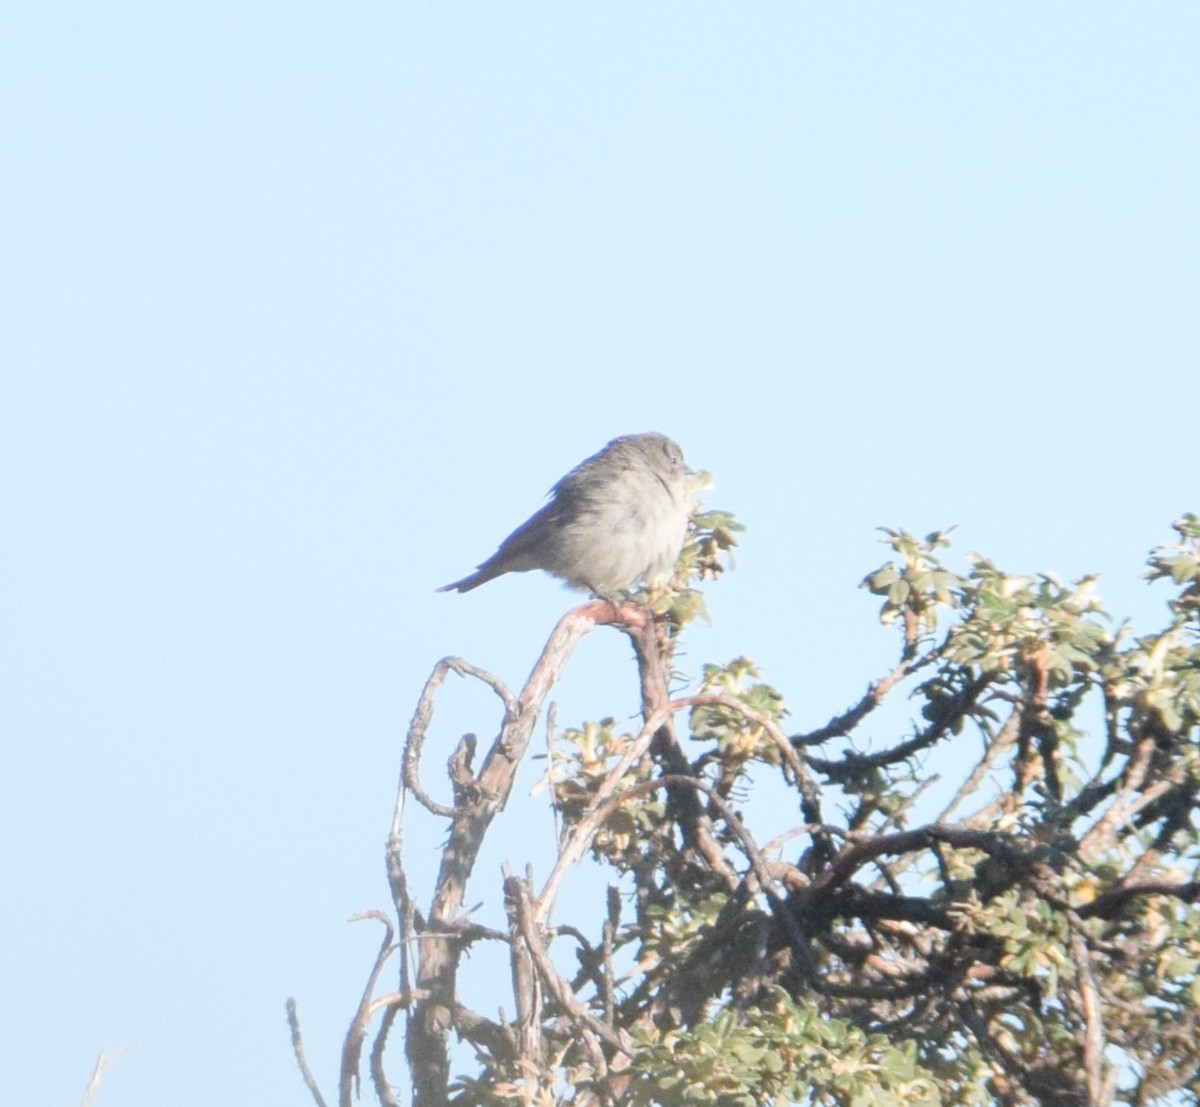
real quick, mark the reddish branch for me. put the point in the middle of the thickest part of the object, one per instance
(441, 947)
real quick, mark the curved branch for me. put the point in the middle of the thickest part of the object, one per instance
(440, 949)
(298, 1049)
(577, 842)
(856, 855)
(955, 713)
(844, 723)
(356, 1035)
(378, 1077)
(423, 716)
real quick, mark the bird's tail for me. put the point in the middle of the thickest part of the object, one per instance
(464, 585)
(482, 575)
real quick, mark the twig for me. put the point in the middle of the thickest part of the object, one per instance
(551, 727)
(525, 921)
(378, 1077)
(853, 764)
(855, 856)
(608, 990)
(103, 1062)
(1125, 803)
(874, 696)
(1106, 905)
(579, 839)
(527, 993)
(423, 716)
(355, 1036)
(1003, 740)
(298, 1050)
(577, 842)
(1089, 999)
(394, 1001)
(782, 742)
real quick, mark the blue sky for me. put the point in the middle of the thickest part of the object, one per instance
(304, 308)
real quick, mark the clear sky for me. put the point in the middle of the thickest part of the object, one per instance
(305, 306)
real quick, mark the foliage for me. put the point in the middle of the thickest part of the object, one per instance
(1029, 935)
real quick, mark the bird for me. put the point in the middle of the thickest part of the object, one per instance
(617, 519)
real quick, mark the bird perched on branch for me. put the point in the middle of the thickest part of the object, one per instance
(615, 520)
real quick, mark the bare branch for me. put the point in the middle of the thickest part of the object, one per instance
(1109, 904)
(417, 729)
(298, 1049)
(439, 954)
(1089, 999)
(355, 1036)
(577, 841)
(378, 1077)
(525, 920)
(1000, 744)
(1122, 806)
(843, 724)
(856, 763)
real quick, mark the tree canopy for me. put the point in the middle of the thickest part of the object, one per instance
(1024, 932)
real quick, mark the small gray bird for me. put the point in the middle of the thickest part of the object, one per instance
(616, 519)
